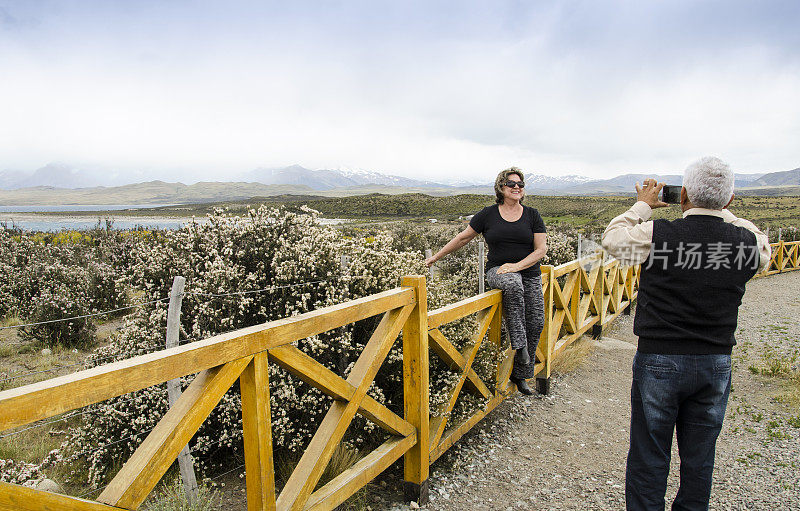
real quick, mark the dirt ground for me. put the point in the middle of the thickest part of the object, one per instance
(567, 450)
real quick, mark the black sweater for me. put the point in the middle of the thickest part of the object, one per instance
(692, 284)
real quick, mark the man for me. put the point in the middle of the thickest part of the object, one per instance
(694, 271)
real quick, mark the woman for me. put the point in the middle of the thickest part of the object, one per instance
(517, 241)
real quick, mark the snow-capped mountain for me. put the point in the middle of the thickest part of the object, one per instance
(535, 181)
(555, 182)
(326, 179)
(60, 176)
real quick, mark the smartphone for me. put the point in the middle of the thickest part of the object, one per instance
(671, 194)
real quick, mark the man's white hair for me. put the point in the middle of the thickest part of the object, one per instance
(709, 183)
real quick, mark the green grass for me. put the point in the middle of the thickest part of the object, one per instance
(10, 320)
(342, 459)
(172, 497)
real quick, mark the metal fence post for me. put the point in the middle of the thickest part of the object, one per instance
(481, 263)
(344, 266)
(428, 253)
(579, 247)
(185, 461)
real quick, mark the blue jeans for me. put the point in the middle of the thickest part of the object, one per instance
(684, 392)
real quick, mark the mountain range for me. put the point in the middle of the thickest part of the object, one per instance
(63, 184)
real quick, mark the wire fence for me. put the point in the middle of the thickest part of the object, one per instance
(215, 478)
(194, 293)
(64, 418)
(18, 375)
(98, 360)
(85, 316)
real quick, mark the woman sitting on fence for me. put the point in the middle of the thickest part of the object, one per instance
(517, 241)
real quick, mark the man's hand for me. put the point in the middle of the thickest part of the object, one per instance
(429, 261)
(649, 193)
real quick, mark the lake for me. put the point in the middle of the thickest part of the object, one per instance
(25, 218)
(76, 207)
(58, 223)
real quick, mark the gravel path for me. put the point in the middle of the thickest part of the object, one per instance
(567, 450)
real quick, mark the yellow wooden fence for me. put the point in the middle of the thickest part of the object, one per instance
(784, 258)
(579, 296)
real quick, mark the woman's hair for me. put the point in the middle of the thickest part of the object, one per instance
(502, 177)
(709, 183)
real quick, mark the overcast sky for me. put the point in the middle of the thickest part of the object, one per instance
(453, 90)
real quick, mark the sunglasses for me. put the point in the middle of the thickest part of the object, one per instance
(512, 184)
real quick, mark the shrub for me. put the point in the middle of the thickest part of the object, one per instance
(47, 277)
(295, 261)
(53, 305)
(268, 249)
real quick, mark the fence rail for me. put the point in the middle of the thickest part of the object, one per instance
(784, 258)
(580, 296)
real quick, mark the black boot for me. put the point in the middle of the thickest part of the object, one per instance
(522, 386)
(521, 357)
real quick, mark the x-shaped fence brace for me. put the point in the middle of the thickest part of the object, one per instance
(350, 397)
(147, 465)
(154, 456)
(584, 299)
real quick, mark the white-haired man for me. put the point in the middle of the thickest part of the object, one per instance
(694, 271)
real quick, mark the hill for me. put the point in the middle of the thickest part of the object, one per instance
(337, 184)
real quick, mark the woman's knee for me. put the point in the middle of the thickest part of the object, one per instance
(507, 282)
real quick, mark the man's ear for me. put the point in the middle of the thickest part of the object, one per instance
(684, 196)
(729, 202)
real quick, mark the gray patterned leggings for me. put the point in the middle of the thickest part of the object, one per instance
(523, 308)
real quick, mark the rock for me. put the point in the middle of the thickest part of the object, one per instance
(413, 505)
(46, 352)
(48, 484)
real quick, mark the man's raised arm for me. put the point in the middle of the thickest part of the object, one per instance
(764, 250)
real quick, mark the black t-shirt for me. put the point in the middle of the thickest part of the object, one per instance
(509, 242)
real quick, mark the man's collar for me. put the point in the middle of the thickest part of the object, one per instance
(703, 211)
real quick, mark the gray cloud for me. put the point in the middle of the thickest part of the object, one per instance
(404, 88)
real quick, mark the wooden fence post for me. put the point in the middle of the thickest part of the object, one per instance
(257, 431)
(600, 294)
(185, 462)
(416, 398)
(546, 338)
(779, 257)
(481, 269)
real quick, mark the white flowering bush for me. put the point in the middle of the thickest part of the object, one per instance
(562, 246)
(790, 233)
(19, 472)
(48, 277)
(269, 250)
(293, 263)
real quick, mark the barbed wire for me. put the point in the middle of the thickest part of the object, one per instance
(272, 288)
(238, 293)
(94, 490)
(65, 418)
(220, 476)
(85, 315)
(185, 294)
(18, 375)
